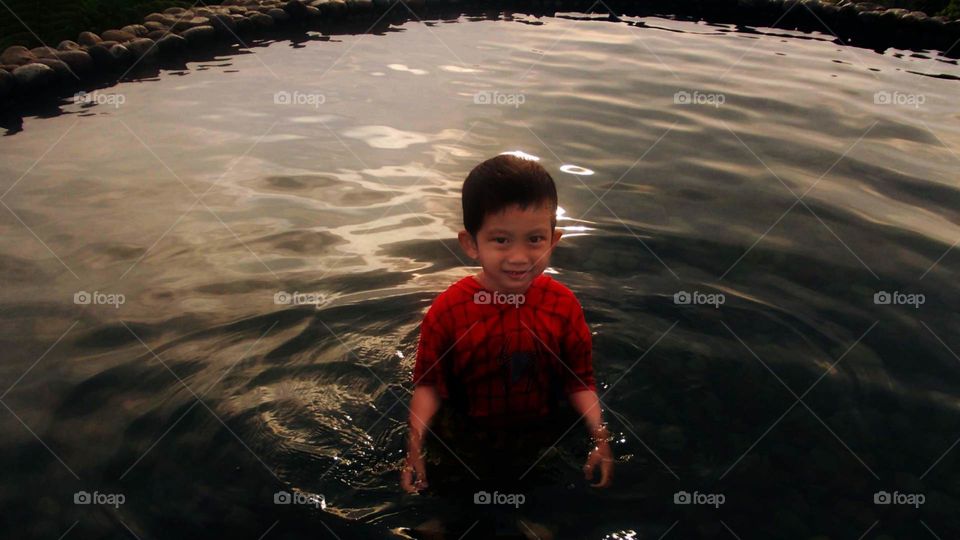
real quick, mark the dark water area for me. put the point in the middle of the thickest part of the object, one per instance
(213, 279)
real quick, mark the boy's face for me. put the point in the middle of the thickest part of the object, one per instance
(513, 247)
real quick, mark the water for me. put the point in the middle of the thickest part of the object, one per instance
(203, 196)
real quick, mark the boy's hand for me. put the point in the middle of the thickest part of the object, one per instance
(600, 455)
(413, 477)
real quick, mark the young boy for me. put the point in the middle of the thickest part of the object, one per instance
(501, 349)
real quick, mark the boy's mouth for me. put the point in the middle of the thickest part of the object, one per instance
(515, 275)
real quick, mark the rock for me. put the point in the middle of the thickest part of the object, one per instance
(174, 11)
(88, 39)
(157, 34)
(67, 45)
(145, 49)
(79, 61)
(136, 29)
(237, 10)
(7, 83)
(33, 77)
(296, 9)
(118, 35)
(44, 52)
(172, 45)
(199, 35)
(278, 15)
(154, 26)
(223, 24)
(192, 22)
(59, 67)
(312, 12)
(156, 17)
(261, 21)
(245, 26)
(359, 6)
(101, 56)
(121, 54)
(331, 7)
(17, 55)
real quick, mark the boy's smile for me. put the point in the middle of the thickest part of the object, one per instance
(513, 247)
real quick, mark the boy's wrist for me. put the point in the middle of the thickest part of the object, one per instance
(600, 433)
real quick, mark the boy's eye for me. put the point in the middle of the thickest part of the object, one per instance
(536, 239)
(500, 240)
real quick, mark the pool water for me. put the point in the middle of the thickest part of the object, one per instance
(213, 278)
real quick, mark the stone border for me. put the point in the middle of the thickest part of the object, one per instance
(177, 34)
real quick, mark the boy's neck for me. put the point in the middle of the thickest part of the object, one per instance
(485, 283)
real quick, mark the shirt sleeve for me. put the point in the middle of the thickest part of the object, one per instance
(434, 343)
(578, 353)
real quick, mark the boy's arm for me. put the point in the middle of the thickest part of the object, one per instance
(423, 406)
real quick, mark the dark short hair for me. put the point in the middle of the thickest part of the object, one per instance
(503, 181)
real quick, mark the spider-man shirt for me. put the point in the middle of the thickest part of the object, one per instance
(504, 359)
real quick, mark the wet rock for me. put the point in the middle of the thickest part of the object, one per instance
(44, 52)
(331, 7)
(79, 61)
(101, 56)
(172, 45)
(145, 49)
(154, 26)
(261, 21)
(7, 83)
(158, 17)
(118, 35)
(312, 12)
(67, 45)
(296, 9)
(278, 15)
(17, 55)
(121, 55)
(359, 6)
(157, 34)
(136, 29)
(223, 24)
(33, 77)
(59, 67)
(88, 39)
(193, 22)
(245, 26)
(174, 11)
(199, 35)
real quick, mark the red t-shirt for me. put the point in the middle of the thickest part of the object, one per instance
(504, 356)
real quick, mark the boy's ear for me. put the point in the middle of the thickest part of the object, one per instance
(468, 244)
(556, 237)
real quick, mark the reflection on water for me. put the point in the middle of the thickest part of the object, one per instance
(278, 223)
